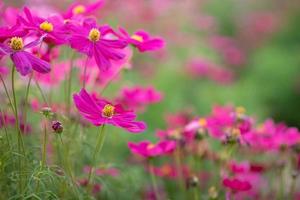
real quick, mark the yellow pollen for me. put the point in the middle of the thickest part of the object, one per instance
(108, 111)
(236, 132)
(240, 110)
(137, 38)
(150, 146)
(94, 35)
(46, 26)
(16, 43)
(78, 9)
(202, 122)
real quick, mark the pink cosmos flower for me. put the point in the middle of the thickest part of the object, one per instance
(138, 97)
(50, 27)
(9, 32)
(236, 185)
(23, 60)
(170, 171)
(147, 149)
(142, 40)
(100, 111)
(79, 9)
(95, 42)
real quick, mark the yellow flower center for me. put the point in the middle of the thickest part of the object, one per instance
(108, 111)
(94, 35)
(150, 146)
(78, 9)
(236, 132)
(16, 43)
(46, 26)
(240, 110)
(202, 122)
(137, 38)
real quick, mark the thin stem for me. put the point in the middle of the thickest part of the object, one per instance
(100, 142)
(84, 71)
(70, 83)
(177, 155)
(26, 102)
(7, 94)
(293, 186)
(41, 91)
(44, 154)
(153, 179)
(195, 193)
(20, 140)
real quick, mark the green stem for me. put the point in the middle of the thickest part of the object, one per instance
(153, 179)
(20, 140)
(26, 102)
(41, 91)
(195, 193)
(100, 142)
(44, 154)
(293, 187)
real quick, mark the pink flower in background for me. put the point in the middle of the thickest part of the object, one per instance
(143, 41)
(4, 71)
(94, 77)
(147, 149)
(83, 9)
(100, 112)
(51, 27)
(58, 74)
(94, 42)
(236, 185)
(138, 97)
(24, 61)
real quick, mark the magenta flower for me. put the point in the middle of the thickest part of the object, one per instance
(100, 111)
(95, 42)
(51, 27)
(80, 9)
(138, 97)
(23, 60)
(147, 149)
(9, 32)
(142, 40)
(236, 185)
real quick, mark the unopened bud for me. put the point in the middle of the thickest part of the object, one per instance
(57, 127)
(47, 112)
(212, 193)
(192, 182)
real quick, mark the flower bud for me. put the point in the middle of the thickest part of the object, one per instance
(192, 182)
(57, 127)
(212, 193)
(47, 112)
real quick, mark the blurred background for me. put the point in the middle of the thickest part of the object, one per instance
(240, 52)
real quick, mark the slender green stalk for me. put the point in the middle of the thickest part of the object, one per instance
(26, 102)
(195, 193)
(84, 72)
(177, 157)
(20, 140)
(44, 154)
(100, 142)
(153, 179)
(293, 187)
(41, 91)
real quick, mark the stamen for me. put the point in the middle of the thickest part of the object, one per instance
(78, 9)
(94, 35)
(46, 26)
(108, 111)
(16, 43)
(137, 38)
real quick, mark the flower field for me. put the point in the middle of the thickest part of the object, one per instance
(150, 100)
